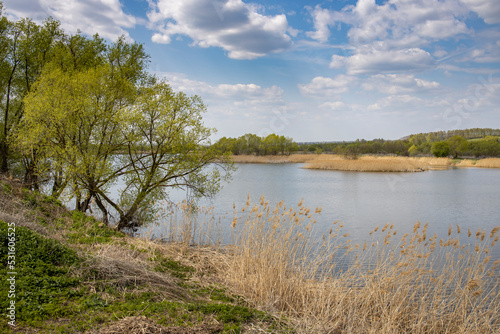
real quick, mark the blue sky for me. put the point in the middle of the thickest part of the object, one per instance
(311, 70)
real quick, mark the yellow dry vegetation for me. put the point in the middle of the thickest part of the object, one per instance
(482, 163)
(378, 164)
(326, 283)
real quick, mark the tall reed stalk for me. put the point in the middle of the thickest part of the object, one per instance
(414, 284)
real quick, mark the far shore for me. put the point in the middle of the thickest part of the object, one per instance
(369, 163)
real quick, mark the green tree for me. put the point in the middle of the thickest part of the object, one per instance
(26, 48)
(94, 135)
(458, 145)
(413, 150)
(440, 149)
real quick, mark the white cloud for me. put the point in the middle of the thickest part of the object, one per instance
(488, 10)
(337, 61)
(334, 106)
(323, 19)
(229, 24)
(398, 84)
(379, 61)
(398, 22)
(105, 17)
(393, 101)
(227, 98)
(327, 87)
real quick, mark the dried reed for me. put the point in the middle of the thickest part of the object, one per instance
(378, 164)
(416, 284)
(481, 163)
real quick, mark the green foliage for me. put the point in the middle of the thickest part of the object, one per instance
(175, 268)
(486, 147)
(88, 230)
(413, 150)
(458, 145)
(231, 315)
(440, 149)
(43, 276)
(90, 126)
(253, 144)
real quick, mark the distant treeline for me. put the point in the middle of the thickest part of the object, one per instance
(253, 144)
(478, 142)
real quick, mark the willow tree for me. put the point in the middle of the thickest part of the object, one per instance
(151, 138)
(167, 147)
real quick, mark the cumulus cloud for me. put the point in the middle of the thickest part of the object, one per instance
(395, 20)
(327, 87)
(390, 37)
(395, 101)
(398, 84)
(105, 17)
(333, 106)
(488, 10)
(229, 24)
(380, 61)
(227, 98)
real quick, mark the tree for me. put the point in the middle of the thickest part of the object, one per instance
(413, 150)
(153, 139)
(488, 146)
(440, 149)
(167, 147)
(27, 47)
(458, 145)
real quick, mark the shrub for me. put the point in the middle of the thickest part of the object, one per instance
(440, 149)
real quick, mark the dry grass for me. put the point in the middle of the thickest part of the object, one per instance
(482, 163)
(377, 164)
(417, 284)
(143, 325)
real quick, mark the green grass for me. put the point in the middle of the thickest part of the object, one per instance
(44, 283)
(88, 230)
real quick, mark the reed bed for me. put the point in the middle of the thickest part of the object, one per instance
(378, 164)
(482, 163)
(415, 284)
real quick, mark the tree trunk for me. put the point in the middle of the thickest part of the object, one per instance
(4, 156)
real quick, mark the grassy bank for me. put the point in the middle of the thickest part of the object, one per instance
(76, 275)
(368, 163)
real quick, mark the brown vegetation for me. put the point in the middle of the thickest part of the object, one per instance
(417, 284)
(377, 164)
(482, 163)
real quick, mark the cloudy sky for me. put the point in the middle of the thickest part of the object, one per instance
(312, 70)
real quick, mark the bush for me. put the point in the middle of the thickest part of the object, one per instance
(440, 149)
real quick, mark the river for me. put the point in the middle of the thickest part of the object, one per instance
(466, 197)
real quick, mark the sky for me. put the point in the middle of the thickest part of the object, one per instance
(311, 70)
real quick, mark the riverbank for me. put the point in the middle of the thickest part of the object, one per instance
(277, 276)
(368, 163)
(73, 274)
